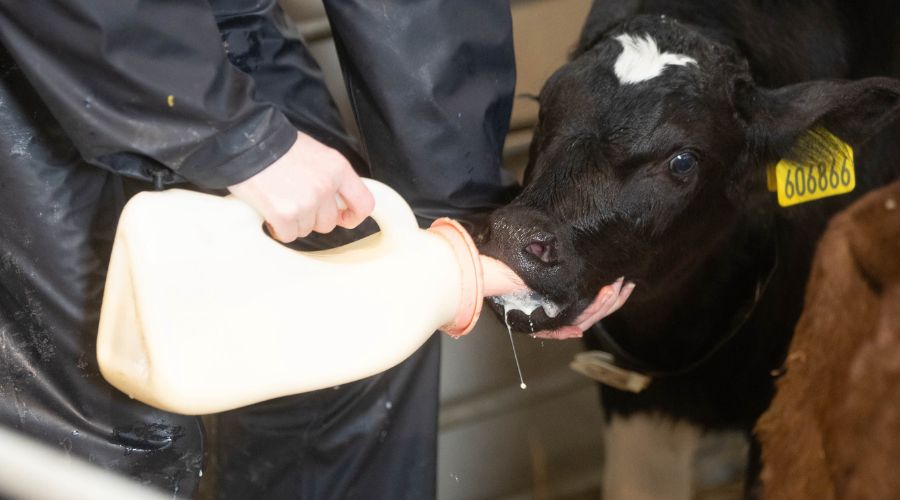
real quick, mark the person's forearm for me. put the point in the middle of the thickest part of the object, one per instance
(145, 81)
(261, 42)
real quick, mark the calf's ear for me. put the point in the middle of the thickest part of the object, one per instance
(853, 110)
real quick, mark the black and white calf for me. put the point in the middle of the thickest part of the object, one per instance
(649, 162)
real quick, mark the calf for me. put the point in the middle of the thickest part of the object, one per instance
(649, 162)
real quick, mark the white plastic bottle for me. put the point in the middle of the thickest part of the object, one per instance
(203, 312)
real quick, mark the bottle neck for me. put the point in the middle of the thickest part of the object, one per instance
(471, 275)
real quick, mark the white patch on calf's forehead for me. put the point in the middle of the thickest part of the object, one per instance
(641, 59)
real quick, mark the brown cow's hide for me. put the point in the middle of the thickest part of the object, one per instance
(833, 429)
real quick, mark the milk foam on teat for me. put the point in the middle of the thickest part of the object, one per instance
(527, 302)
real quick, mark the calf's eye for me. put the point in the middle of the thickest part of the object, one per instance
(683, 163)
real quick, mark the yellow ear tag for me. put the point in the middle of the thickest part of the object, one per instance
(826, 169)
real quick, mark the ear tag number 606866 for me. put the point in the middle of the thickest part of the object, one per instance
(820, 165)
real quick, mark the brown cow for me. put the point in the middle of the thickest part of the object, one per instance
(833, 429)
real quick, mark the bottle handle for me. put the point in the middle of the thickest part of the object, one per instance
(393, 215)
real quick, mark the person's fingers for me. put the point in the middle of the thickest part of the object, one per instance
(613, 305)
(603, 299)
(282, 228)
(589, 321)
(327, 217)
(271, 230)
(604, 309)
(358, 199)
(609, 299)
(292, 191)
(305, 224)
(583, 321)
(623, 296)
(563, 333)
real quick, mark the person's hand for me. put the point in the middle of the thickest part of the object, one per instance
(608, 300)
(311, 188)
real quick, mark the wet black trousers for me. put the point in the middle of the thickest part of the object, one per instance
(375, 438)
(57, 221)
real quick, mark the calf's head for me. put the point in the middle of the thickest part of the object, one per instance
(646, 147)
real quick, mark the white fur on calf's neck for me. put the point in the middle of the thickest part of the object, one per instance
(641, 59)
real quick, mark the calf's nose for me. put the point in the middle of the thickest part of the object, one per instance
(542, 246)
(525, 239)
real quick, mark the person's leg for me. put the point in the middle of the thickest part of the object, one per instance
(374, 438)
(57, 220)
(431, 84)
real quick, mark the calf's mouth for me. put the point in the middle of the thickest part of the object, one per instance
(557, 292)
(533, 313)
